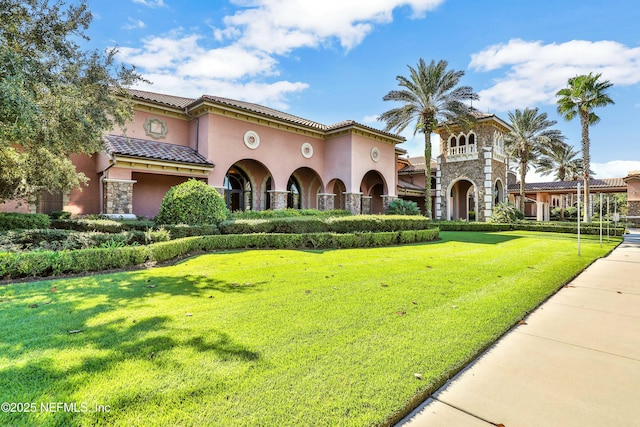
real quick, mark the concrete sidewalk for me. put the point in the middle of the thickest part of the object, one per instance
(576, 361)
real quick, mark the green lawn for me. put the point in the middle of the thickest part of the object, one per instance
(272, 338)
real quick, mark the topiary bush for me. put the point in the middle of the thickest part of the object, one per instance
(192, 203)
(403, 207)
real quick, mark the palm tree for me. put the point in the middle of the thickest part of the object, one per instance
(430, 94)
(529, 135)
(560, 160)
(579, 98)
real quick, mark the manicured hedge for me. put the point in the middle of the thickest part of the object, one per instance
(21, 221)
(111, 226)
(315, 224)
(47, 263)
(554, 227)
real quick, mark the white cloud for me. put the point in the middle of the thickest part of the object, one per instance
(151, 3)
(243, 62)
(615, 168)
(278, 26)
(133, 24)
(536, 71)
(370, 119)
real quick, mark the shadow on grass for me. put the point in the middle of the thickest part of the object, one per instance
(474, 237)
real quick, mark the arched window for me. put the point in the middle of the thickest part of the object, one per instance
(237, 190)
(498, 193)
(463, 140)
(472, 139)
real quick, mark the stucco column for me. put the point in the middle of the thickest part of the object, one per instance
(278, 199)
(366, 205)
(118, 195)
(325, 201)
(353, 202)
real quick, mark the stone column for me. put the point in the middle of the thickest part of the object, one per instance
(487, 202)
(353, 202)
(439, 189)
(118, 195)
(278, 199)
(386, 200)
(325, 201)
(366, 205)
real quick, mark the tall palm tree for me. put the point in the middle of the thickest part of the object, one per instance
(578, 99)
(430, 95)
(529, 135)
(559, 160)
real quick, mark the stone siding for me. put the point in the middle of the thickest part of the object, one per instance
(118, 197)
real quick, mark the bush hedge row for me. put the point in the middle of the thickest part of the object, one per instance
(315, 224)
(48, 263)
(21, 221)
(111, 226)
(590, 228)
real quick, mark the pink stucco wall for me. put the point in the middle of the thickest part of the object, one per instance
(178, 130)
(149, 190)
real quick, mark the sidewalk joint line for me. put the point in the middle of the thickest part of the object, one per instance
(579, 346)
(465, 412)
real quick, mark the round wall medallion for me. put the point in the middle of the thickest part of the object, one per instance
(307, 150)
(375, 154)
(251, 139)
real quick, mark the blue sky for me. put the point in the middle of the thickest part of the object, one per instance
(333, 60)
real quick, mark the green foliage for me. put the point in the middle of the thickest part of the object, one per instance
(15, 221)
(287, 213)
(505, 213)
(113, 253)
(251, 338)
(403, 207)
(193, 203)
(55, 98)
(339, 224)
(60, 215)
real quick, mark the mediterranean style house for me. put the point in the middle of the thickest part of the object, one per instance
(259, 158)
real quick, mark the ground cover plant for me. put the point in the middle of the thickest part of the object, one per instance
(273, 337)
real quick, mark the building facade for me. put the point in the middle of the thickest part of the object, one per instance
(257, 157)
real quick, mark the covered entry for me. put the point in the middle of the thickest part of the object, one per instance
(462, 201)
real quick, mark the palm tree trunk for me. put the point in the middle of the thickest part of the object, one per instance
(586, 160)
(523, 174)
(427, 173)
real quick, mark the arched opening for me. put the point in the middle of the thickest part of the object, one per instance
(337, 187)
(373, 186)
(498, 193)
(294, 196)
(237, 190)
(462, 201)
(246, 186)
(304, 186)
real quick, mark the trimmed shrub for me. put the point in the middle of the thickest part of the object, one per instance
(343, 224)
(46, 263)
(505, 213)
(21, 221)
(193, 203)
(287, 213)
(403, 207)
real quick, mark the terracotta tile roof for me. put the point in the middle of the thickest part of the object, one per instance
(265, 111)
(409, 186)
(416, 164)
(148, 149)
(170, 100)
(183, 102)
(594, 184)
